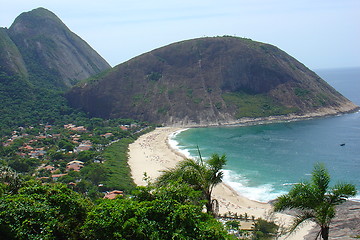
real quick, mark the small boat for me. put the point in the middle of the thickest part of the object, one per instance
(343, 144)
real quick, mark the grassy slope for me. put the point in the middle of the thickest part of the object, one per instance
(119, 176)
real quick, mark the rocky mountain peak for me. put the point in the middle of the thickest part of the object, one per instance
(50, 50)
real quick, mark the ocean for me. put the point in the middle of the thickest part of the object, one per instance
(264, 161)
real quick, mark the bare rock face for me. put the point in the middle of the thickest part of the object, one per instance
(52, 52)
(209, 81)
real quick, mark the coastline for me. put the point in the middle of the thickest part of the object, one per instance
(248, 121)
(152, 153)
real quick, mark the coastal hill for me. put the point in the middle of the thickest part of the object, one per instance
(211, 80)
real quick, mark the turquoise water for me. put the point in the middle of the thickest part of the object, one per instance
(265, 160)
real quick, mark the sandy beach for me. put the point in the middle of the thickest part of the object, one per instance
(151, 153)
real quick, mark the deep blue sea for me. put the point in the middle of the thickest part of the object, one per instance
(265, 160)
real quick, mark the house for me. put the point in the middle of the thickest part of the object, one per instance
(37, 152)
(74, 165)
(75, 162)
(55, 177)
(79, 129)
(28, 148)
(125, 128)
(42, 178)
(113, 194)
(69, 126)
(107, 135)
(84, 146)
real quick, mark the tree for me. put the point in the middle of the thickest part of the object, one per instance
(201, 175)
(315, 201)
(264, 229)
(42, 212)
(232, 225)
(159, 218)
(11, 180)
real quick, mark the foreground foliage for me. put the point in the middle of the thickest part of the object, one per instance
(156, 219)
(200, 175)
(53, 211)
(42, 212)
(315, 200)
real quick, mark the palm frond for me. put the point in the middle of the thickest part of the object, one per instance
(301, 218)
(320, 178)
(340, 192)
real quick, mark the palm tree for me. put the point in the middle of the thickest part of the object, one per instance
(201, 175)
(315, 201)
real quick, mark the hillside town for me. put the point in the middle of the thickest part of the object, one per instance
(53, 153)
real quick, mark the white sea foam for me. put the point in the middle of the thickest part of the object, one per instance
(175, 144)
(261, 193)
(356, 198)
(290, 184)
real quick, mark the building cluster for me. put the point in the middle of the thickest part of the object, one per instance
(57, 148)
(75, 128)
(74, 165)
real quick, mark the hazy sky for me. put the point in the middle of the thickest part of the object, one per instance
(319, 33)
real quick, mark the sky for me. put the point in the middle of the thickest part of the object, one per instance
(319, 33)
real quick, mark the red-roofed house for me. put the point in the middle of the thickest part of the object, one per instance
(75, 165)
(107, 135)
(123, 128)
(56, 176)
(113, 194)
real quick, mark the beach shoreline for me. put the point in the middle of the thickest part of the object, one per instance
(151, 153)
(249, 121)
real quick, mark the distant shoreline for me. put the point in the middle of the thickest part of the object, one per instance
(248, 121)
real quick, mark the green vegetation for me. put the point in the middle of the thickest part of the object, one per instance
(154, 76)
(158, 218)
(53, 211)
(200, 175)
(264, 230)
(315, 200)
(163, 109)
(255, 105)
(301, 92)
(118, 171)
(95, 78)
(321, 100)
(42, 212)
(23, 104)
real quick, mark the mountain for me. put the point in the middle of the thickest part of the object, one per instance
(51, 51)
(39, 59)
(208, 81)
(11, 61)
